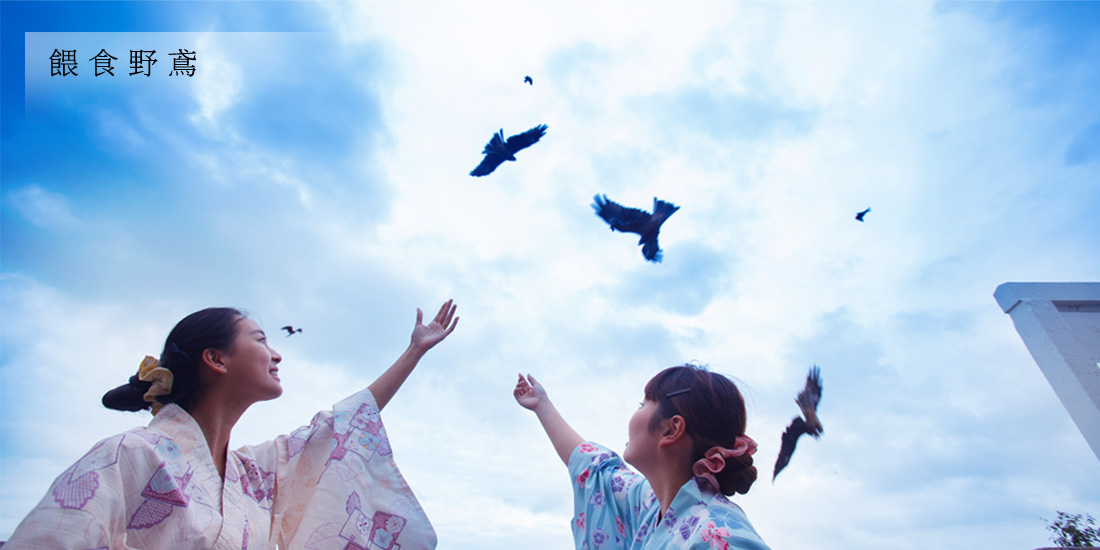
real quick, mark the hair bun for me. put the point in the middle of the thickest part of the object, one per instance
(738, 476)
(129, 396)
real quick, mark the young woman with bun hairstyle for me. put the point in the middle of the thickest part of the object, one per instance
(176, 485)
(688, 442)
(212, 328)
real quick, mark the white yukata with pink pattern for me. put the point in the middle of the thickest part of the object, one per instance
(331, 485)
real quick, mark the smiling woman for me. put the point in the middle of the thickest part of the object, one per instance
(174, 484)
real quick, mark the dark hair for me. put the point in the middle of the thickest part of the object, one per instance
(714, 416)
(214, 327)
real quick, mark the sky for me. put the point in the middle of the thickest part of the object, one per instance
(314, 172)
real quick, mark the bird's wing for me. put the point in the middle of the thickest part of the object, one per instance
(808, 399)
(621, 218)
(288, 328)
(663, 209)
(488, 164)
(789, 440)
(526, 139)
(495, 145)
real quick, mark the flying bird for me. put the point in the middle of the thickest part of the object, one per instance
(498, 150)
(807, 400)
(859, 215)
(290, 330)
(635, 220)
(529, 80)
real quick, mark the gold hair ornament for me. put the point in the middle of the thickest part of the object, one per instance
(161, 378)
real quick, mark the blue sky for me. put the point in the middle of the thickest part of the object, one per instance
(314, 172)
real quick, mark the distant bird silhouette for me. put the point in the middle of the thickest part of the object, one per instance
(498, 150)
(528, 80)
(859, 215)
(634, 220)
(290, 330)
(807, 400)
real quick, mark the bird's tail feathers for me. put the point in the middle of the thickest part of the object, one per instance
(652, 252)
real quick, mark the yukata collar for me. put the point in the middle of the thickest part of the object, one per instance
(171, 414)
(180, 427)
(687, 498)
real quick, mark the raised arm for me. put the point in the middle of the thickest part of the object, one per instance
(531, 395)
(424, 337)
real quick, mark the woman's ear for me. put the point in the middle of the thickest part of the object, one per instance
(673, 430)
(215, 360)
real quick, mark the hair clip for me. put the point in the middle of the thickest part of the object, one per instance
(677, 392)
(173, 348)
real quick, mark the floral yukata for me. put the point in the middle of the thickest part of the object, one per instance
(331, 485)
(615, 508)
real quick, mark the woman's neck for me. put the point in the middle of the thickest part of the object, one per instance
(666, 484)
(217, 424)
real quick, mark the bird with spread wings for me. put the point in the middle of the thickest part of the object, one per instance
(499, 150)
(807, 400)
(636, 220)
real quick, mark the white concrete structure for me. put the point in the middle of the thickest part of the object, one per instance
(1060, 325)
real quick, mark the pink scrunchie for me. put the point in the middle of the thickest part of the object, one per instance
(714, 460)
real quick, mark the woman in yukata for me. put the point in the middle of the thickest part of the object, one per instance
(687, 440)
(332, 484)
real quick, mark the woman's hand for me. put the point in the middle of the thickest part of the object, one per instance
(424, 337)
(529, 393)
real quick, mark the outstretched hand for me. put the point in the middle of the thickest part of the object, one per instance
(529, 393)
(424, 337)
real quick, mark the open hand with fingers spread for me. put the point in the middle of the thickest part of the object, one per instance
(424, 337)
(529, 393)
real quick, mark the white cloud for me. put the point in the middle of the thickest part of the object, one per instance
(42, 207)
(220, 83)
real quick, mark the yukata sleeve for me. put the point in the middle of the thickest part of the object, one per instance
(607, 498)
(337, 485)
(77, 511)
(58, 528)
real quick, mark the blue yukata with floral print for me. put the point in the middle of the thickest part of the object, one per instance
(615, 508)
